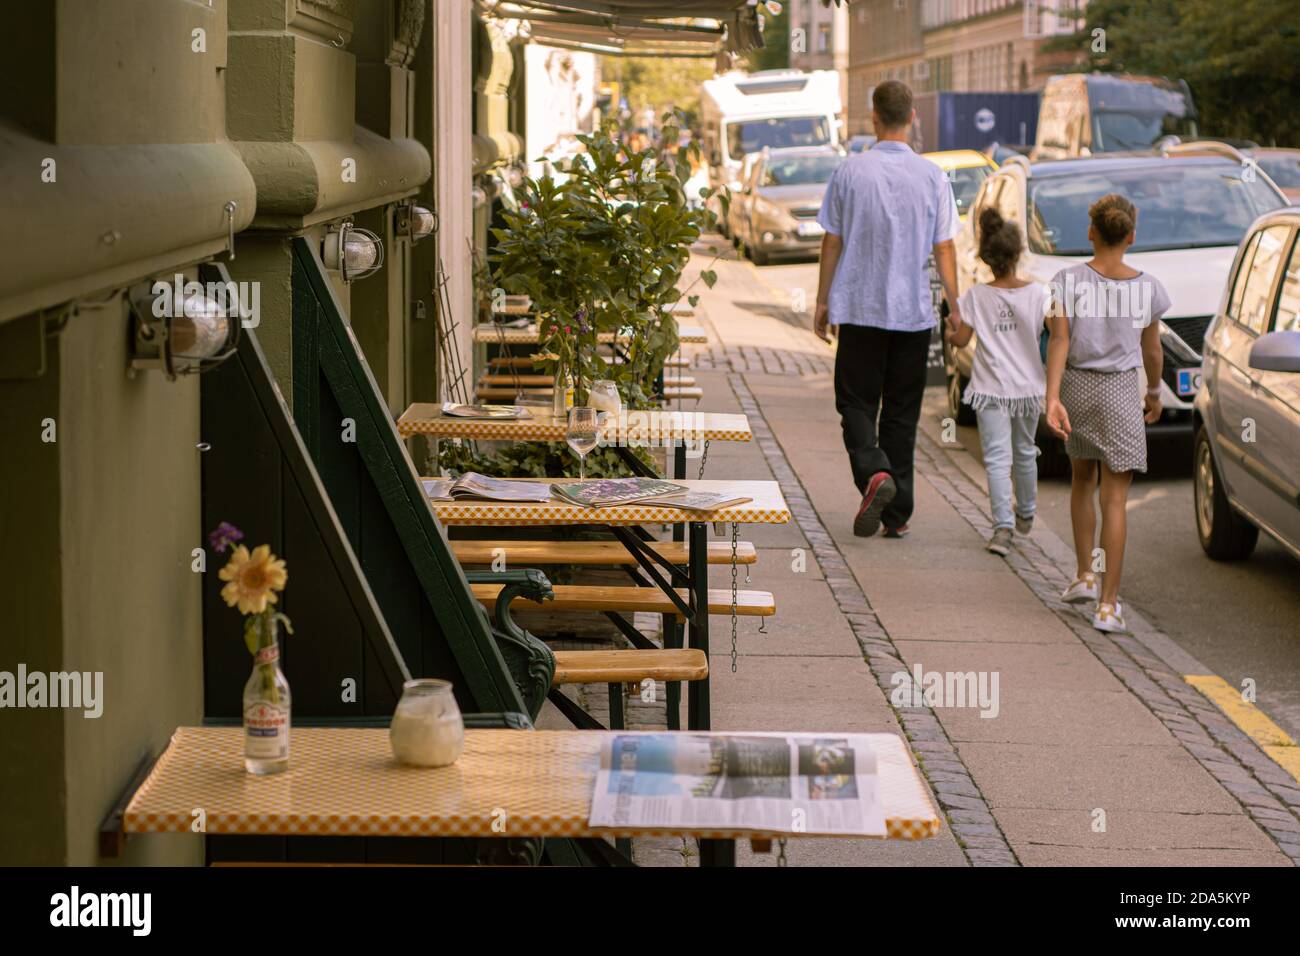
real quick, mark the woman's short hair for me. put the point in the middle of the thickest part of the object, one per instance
(1113, 218)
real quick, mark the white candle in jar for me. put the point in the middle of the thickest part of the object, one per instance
(427, 729)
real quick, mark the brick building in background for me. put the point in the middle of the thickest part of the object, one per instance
(953, 46)
(824, 42)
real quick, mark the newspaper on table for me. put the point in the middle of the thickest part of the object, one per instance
(771, 783)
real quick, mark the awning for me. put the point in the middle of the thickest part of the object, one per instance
(689, 28)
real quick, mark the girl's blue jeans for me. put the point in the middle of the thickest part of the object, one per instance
(1011, 462)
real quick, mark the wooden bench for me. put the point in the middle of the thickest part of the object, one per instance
(591, 553)
(615, 669)
(601, 598)
(630, 666)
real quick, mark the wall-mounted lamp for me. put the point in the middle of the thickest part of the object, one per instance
(352, 252)
(414, 222)
(183, 328)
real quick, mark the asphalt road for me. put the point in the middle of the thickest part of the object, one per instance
(1242, 620)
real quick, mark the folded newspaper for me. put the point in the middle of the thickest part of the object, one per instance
(767, 783)
(473, 485)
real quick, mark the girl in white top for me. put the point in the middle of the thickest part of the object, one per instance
(1007, 381)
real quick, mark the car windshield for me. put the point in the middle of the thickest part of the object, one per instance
(1283, 170)
(751, 136)
(1177, 208)
(799, 170)
(1114, 130)
(965, 184)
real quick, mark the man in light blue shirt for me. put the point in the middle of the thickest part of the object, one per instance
(885, 211)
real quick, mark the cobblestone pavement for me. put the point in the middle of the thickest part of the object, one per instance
(770, 361)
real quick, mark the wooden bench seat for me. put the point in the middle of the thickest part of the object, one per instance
(526, 554)
(694, 392)
(630, 666)
(518, 361)
(583, 597)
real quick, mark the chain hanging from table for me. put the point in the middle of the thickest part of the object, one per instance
(735, 536)
(780, 853)
(704, 458)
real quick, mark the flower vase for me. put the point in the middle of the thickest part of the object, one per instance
(560, 392)
(266, 701)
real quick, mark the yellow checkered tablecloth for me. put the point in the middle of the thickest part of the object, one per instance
(507, 783)
(766, 507)
(489, 334)
(652, 428)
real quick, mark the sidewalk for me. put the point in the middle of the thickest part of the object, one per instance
(1099, 753)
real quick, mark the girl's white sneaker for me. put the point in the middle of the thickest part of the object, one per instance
(1110, 618)
(1081, 590)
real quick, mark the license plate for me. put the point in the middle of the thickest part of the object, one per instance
(810, 229)
(1188, 382)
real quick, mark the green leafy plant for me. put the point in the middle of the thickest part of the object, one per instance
(600, 249)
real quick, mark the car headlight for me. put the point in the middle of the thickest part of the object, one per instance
(768, 209)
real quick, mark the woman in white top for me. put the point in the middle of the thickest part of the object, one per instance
(1105, 336)
(1007, 382)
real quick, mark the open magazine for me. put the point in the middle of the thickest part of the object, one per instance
(772, 783)
(473, 485)
(600, 492)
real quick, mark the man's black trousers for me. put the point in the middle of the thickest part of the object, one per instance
(879, 386)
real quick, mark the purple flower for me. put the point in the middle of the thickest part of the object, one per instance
(224, 536)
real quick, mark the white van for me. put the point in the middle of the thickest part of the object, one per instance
(742, 113)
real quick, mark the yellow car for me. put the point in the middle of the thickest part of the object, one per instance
(966, 169)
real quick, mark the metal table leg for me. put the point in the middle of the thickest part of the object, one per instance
(698, 694)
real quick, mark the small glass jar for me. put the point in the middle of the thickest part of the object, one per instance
(427, 728)
(605, 397)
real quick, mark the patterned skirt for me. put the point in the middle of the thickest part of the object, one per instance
(1106, 417)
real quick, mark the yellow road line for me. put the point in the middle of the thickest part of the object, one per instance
(1252, 721)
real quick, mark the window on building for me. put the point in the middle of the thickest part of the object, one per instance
(824, 39)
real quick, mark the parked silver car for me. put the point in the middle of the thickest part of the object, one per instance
(1247, 412)
(776, 213)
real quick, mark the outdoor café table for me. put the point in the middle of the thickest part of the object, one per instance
(345, 782)
(767, 506)
(488, 333)
(652, 427)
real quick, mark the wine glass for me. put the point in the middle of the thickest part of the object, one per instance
(583, 435)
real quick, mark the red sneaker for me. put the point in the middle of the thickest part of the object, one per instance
(900, 532)
(879, 493)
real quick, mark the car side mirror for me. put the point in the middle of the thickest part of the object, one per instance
(1276, 352)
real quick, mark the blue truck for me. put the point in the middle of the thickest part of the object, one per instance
(974, 120)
